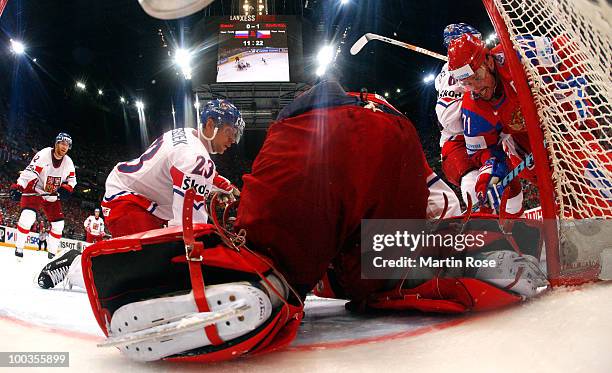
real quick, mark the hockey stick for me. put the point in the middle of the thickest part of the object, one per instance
(8, 195)
(500, 186)
(359, 44)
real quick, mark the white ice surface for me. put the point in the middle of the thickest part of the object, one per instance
(276, 69)
(563, 331)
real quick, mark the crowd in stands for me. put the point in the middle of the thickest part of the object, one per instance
(93, 163)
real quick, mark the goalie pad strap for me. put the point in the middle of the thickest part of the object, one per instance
(197, 283)
(446, 295)
(194, 257)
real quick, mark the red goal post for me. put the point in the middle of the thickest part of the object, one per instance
(564, 86)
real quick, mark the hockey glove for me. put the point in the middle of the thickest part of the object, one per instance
(487, 192)
(64, 192)
(15, 192)
(230, 192)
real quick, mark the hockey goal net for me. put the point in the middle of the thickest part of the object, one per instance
(559, 53)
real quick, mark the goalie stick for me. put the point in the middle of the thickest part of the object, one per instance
(359, 44)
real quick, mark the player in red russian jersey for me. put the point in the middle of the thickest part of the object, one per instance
(490, 113)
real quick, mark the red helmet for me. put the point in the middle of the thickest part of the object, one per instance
(465, 55)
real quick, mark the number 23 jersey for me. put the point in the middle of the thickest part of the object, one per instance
(158, 179)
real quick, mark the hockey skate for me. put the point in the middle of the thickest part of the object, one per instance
(157, 328)
(55, 271)
(19, 252)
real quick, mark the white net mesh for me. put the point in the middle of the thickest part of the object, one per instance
(565, 47)
(566, 50)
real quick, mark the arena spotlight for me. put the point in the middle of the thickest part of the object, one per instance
(100, 93)
(398, 90)
(325, 55)
(428, 78)
(344, 2)
(17, 47)
(139, 105)
(182, 58)
(122, 99)
(321, 70)
(80, 85)
(386, 94)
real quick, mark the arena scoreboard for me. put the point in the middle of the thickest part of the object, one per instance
(253, 49)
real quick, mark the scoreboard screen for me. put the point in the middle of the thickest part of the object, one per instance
(252, 50)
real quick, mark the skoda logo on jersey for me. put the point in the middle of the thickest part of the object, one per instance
(450, 93)
(189, 183)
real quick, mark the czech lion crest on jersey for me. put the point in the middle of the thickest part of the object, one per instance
(52, 184)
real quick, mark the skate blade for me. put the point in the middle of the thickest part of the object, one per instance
(145, 315)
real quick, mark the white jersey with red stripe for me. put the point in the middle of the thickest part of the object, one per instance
(94, 225)
(448, 106)
(157, 180)
(45, 174)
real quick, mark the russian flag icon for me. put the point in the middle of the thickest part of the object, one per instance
(241, 34)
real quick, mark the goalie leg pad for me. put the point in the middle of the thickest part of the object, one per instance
(147, 314)
(154, 266)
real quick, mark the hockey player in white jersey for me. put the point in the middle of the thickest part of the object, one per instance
(94, 227)
(147, 192)
(457, 166)
(49, 179)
